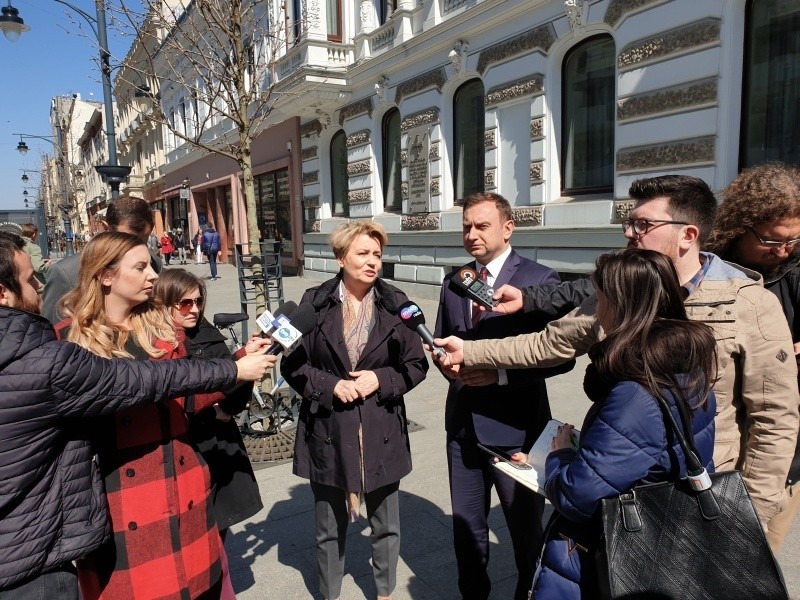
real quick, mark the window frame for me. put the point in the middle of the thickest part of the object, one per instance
(336, 37)
(344, 212)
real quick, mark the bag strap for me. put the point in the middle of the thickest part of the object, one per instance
(698, 476)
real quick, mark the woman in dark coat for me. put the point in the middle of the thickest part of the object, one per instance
(624, 440)
(235, 494)
(352, 370)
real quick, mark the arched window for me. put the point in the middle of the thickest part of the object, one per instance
(587, 127)
(339, 178)
(770, 117)
(392, 182)
(468, 139)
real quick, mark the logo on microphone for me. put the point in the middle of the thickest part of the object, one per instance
(409, 312)
(467, 275)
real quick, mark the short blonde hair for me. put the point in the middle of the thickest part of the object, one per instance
(343, 236)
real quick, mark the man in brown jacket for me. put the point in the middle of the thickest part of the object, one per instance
(757, 395)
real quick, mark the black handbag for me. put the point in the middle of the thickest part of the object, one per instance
(699, 537)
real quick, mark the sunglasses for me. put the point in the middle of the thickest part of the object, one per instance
(185, 305)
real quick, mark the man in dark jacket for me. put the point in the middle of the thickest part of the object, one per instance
(52, 502)
(474, 412)
(127, 214)
(210, 248)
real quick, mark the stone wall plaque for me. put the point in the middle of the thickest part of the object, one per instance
(419, 170)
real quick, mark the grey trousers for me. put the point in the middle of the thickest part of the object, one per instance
(383, 513)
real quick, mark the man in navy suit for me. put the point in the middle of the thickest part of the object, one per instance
(496, 407)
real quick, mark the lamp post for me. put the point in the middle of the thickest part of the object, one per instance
(42, 216)
(66, 205)
(13, 26)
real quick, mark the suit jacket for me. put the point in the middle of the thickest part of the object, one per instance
(511, 415)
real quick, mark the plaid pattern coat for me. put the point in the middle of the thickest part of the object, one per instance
(165, 543)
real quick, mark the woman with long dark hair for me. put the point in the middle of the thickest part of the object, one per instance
(651, 350)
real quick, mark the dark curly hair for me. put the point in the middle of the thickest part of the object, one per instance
(762, 194)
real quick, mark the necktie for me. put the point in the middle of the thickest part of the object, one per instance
(476, 313)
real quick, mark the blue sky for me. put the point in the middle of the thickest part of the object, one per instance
(54, 58)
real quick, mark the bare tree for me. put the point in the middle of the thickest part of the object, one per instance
(207, 67)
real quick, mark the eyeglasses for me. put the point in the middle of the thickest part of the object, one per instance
(642, 226)
(774, 243)
(185, 305)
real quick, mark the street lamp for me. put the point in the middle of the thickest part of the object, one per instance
(12, 25)
(63, 161)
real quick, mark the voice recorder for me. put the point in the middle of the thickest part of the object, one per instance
(468, 281)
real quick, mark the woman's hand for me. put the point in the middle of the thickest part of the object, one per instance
(346, 391)
(563, 438)
(366, 382)
(221, 415)
(256, 343)
(253, 367)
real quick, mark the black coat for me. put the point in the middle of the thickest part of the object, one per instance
(235, 492)
(52, 502)
(326, 447)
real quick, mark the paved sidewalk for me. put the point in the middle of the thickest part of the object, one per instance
(272, 556)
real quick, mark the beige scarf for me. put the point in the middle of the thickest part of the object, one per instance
(357, 323)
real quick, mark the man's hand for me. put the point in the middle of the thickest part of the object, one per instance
(252, 367)
(510, 301)
(346, 391)
(366, 382)
(479, 377)
(797, 354)
(453, 351)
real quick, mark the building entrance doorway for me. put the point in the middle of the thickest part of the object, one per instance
(273, 203)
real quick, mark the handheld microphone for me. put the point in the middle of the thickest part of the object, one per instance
(412, 317)
(267, 320)
(289, 330)
(467, 283)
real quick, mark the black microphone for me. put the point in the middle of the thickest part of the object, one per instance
(412, 317)
(290, 329)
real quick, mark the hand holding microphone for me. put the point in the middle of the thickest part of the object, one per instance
(412, 317)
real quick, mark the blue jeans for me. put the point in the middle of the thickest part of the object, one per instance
(60, 583)
(212, 262)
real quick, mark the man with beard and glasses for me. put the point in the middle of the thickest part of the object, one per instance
(758, 227)
(756, 388)
(52, 501)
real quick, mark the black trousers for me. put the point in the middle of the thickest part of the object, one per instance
(471, 479)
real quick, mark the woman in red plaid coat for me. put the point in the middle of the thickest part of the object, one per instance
(165, 541)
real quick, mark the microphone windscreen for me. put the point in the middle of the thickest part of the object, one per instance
(287, 308)
(303, 318)
(411, 315)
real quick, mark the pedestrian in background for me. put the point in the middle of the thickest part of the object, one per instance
(166, 247)
(198, 246)
(214, 432)
(181, 244)
(211, 246)
(758, 227)
(30, 234)
(352, 371)
(165, 540)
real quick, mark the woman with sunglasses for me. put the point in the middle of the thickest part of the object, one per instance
(165, 542)
(235, 492)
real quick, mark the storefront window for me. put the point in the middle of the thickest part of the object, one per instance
(339, 178)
